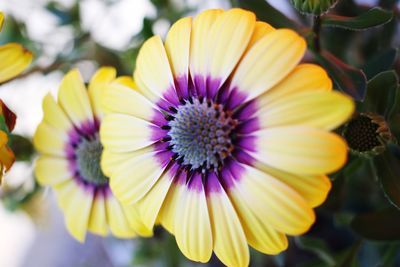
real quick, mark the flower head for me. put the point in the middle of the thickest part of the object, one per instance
(14, 58)
(70, 148)
(367, 134)
(226, 142)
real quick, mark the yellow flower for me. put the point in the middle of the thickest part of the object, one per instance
(226, 142)
(68, 141)
(14, 58)
(7, 122)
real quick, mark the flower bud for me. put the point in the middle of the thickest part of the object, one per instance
(313, 7)
(367, 134)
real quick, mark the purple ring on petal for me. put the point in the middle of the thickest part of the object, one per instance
(83, 151)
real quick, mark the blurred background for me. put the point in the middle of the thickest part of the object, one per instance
(87, 34)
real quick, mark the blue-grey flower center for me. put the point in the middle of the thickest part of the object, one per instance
(201, 134)
(88, 154)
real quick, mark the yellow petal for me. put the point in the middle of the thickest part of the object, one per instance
(97, 85)
(136, 223)
(150, 204)
(304, 78)
(98, 216)
(145, 90)
(326, 110)
(260, 30)
(14, 58)
(1, 20)
(153, 69)
(268, 62)
(230, 244)
(74, 99)
(134, 178)
(229, 36)
(49, 140)
(119, 224)
(76, 203)
(111, 160)
(54, 115)
(193, 229)
(313, 188)
(301, 150)
(278, 204)
(52, 170)
(121, 99)
(124, 133)
(200, 40)
(169, 207)
(259, 233)
(177, 45)
(126, 81)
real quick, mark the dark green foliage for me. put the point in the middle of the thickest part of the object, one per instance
(347, 78)
(372, 18)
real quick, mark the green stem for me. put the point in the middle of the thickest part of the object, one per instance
(317, 30)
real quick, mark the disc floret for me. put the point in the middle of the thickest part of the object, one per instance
(201, 133)
(367, 134)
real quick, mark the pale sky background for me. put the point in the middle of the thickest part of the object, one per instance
(112, 27)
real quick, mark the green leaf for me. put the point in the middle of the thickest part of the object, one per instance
(381, 94)
(380, 62)
(347, 78)
(353, 165)
(343, 258)
(22, 147)
(317, 246)
(381, 225)
(394, 122)
(374, 17)
(390, 254)
(395, 110)
(265, 12)
(388, 170)
(3, 125)
(343, 218)
(348, 258)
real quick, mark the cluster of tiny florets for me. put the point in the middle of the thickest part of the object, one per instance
(201, 134)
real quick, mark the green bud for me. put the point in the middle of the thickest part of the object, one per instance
(313, 7)
(367, 134)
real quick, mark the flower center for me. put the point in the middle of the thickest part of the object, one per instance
(367, 134)
(201, 134)
(88, 154)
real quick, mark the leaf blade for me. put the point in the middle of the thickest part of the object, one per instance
(388, 170)
(374, 17)
(347, 78)
(265, 12)
(381, 94)
(380, 225)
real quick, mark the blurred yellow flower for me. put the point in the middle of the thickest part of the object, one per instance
(69, 161)
(226, 142)
(14, 58)
(7, 123)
